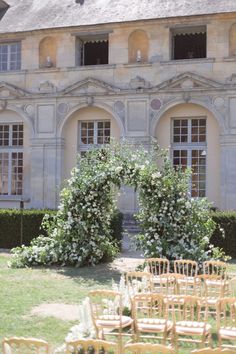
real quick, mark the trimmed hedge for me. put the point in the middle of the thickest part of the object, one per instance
(10, 226)
(227, 221)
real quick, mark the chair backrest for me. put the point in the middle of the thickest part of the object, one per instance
(94, 346)
(213, 351)
(147, 348)
(138, 282)
(21, 345)
(105, 303)
(148, 306)
(226, 312)
(157, 266)
(164, 284)
(215, 268)
(186, 267)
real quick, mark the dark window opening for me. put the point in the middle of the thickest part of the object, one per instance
(189, 45)
(3, 8)
(95, 53)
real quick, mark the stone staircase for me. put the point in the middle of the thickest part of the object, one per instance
(130, 225)
(130, 229)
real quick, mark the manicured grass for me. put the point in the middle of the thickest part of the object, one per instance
(23, 289)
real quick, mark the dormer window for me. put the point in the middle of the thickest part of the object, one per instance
(3, 8)
(10, 56)
(92, 49)
(189, 42)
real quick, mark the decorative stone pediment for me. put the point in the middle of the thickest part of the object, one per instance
(90, 86)
(9, 91)
(187, 82)
(139, 83)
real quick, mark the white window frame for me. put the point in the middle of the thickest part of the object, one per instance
(10, 149)
(86, 147)
(190, 146)
(17, 62)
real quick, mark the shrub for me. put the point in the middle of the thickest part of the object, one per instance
(226, 221)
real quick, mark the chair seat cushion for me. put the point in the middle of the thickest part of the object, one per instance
(165, 278)
(113, 321)
(228, 332)
(153, 325)
(187, 280)
(191, 327)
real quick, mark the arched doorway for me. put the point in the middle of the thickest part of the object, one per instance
(191, 132)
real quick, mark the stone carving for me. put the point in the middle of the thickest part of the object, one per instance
(3, 104)
(47, 87)
(139, 83)
(219, 102)
(119, 108)
(188, 81)
(29, 109)
(186, 97)
(90, 100)
(11, 91)
(231, 79)
(156, 104)
(62, 108)
(187, 84)
(90, 86)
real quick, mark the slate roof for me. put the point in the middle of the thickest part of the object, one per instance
(26, 15)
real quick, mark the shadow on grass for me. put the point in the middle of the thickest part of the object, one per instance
(101, 273)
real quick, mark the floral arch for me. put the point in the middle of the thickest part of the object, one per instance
(173, 225)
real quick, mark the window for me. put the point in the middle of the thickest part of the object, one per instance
(92, 50)
(11, 159)
(10, 56)
(189, 150)
(93, 133)
(189, 43)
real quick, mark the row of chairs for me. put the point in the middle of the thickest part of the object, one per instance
(189, 268)
(16, 345)
(175, 319)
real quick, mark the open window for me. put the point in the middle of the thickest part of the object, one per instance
(92, 49)
(189, 43)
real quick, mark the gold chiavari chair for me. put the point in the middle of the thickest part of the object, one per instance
(162, 280)
(88, 346)
(190, 324)
(213, 288)
(217, 268)
(148, 348)
(148, 312)
(106, 310)
(138, 282)
(21, 345)
(226, 321)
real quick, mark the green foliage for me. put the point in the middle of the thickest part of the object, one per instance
(10, 226)
(174, 225)
(227, 222)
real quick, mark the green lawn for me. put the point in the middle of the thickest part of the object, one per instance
(22, 289)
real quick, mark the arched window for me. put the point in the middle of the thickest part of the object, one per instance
(47, 52)
(138, 46)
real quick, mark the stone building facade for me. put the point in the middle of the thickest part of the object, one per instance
(73, 74)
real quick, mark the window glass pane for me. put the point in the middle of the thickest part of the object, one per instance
(4, 160)
(180, 131)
